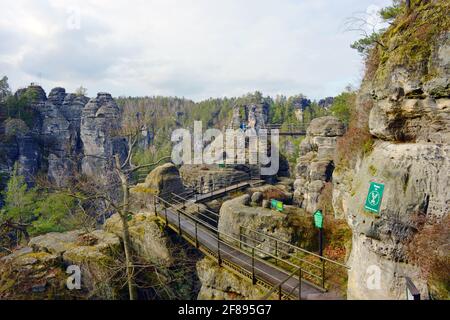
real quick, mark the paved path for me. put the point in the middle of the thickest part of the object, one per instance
(264, 270)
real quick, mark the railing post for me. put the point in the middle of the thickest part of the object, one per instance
(165, 213)
(253, 266)
(196, 235)
(299, 283)
(280, 293)
(240, 237)
(154, 205)
(219, 259)
(179, 222)
(323, 273)
(276, 252)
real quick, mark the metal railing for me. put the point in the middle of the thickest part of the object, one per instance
(291, 256)
(233, 242)
(218, 186)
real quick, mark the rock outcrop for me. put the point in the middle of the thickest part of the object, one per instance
(220, 284)
(409, 122)
(315, 165)
(100, 124)
(65, 133)
(253, 115)
(205, 178)
(39, 270)
(237, 212)
(163, 181)
(60, 134)
(148, 238)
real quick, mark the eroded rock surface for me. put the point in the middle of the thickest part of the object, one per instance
(315, 164)
(100, 122)
(39, 270)
(220, 284)
(410, 123)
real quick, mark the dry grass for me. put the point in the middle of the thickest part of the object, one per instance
(429, 250)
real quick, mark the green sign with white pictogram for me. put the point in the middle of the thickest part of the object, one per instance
(318, 219)
(374, 197)
(277, 205)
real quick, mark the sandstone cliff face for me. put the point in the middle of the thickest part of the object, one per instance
(410, 122)
(100, 123)
(315, 165)
(61, 134)
(52, 142)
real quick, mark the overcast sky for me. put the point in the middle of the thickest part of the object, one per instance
(191, 48)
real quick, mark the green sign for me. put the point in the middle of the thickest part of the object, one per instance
(374, 197)
(318, 219)
(277, 205)
(221, 165)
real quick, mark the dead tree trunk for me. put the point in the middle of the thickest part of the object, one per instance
(125, 231)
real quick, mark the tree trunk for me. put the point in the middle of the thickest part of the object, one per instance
(125, 232)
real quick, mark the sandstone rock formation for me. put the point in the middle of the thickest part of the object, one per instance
(58, 140)
(315, 165)
(410, 122)
(220, 284)
(148, 238)
(253, 115)
(236, 213)
(100, 123)
(60, 134)
(162, 181)
(39, 270)
(204, 178)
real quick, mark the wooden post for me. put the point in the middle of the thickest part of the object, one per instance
(154, 205)
(280, 294)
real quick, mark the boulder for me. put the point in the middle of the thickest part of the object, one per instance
(162, 181)
(148, 238)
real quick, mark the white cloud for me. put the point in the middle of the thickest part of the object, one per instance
(192, 48)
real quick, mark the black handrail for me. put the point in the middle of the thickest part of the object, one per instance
(219, 236)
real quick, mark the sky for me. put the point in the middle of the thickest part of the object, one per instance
(187, 48)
